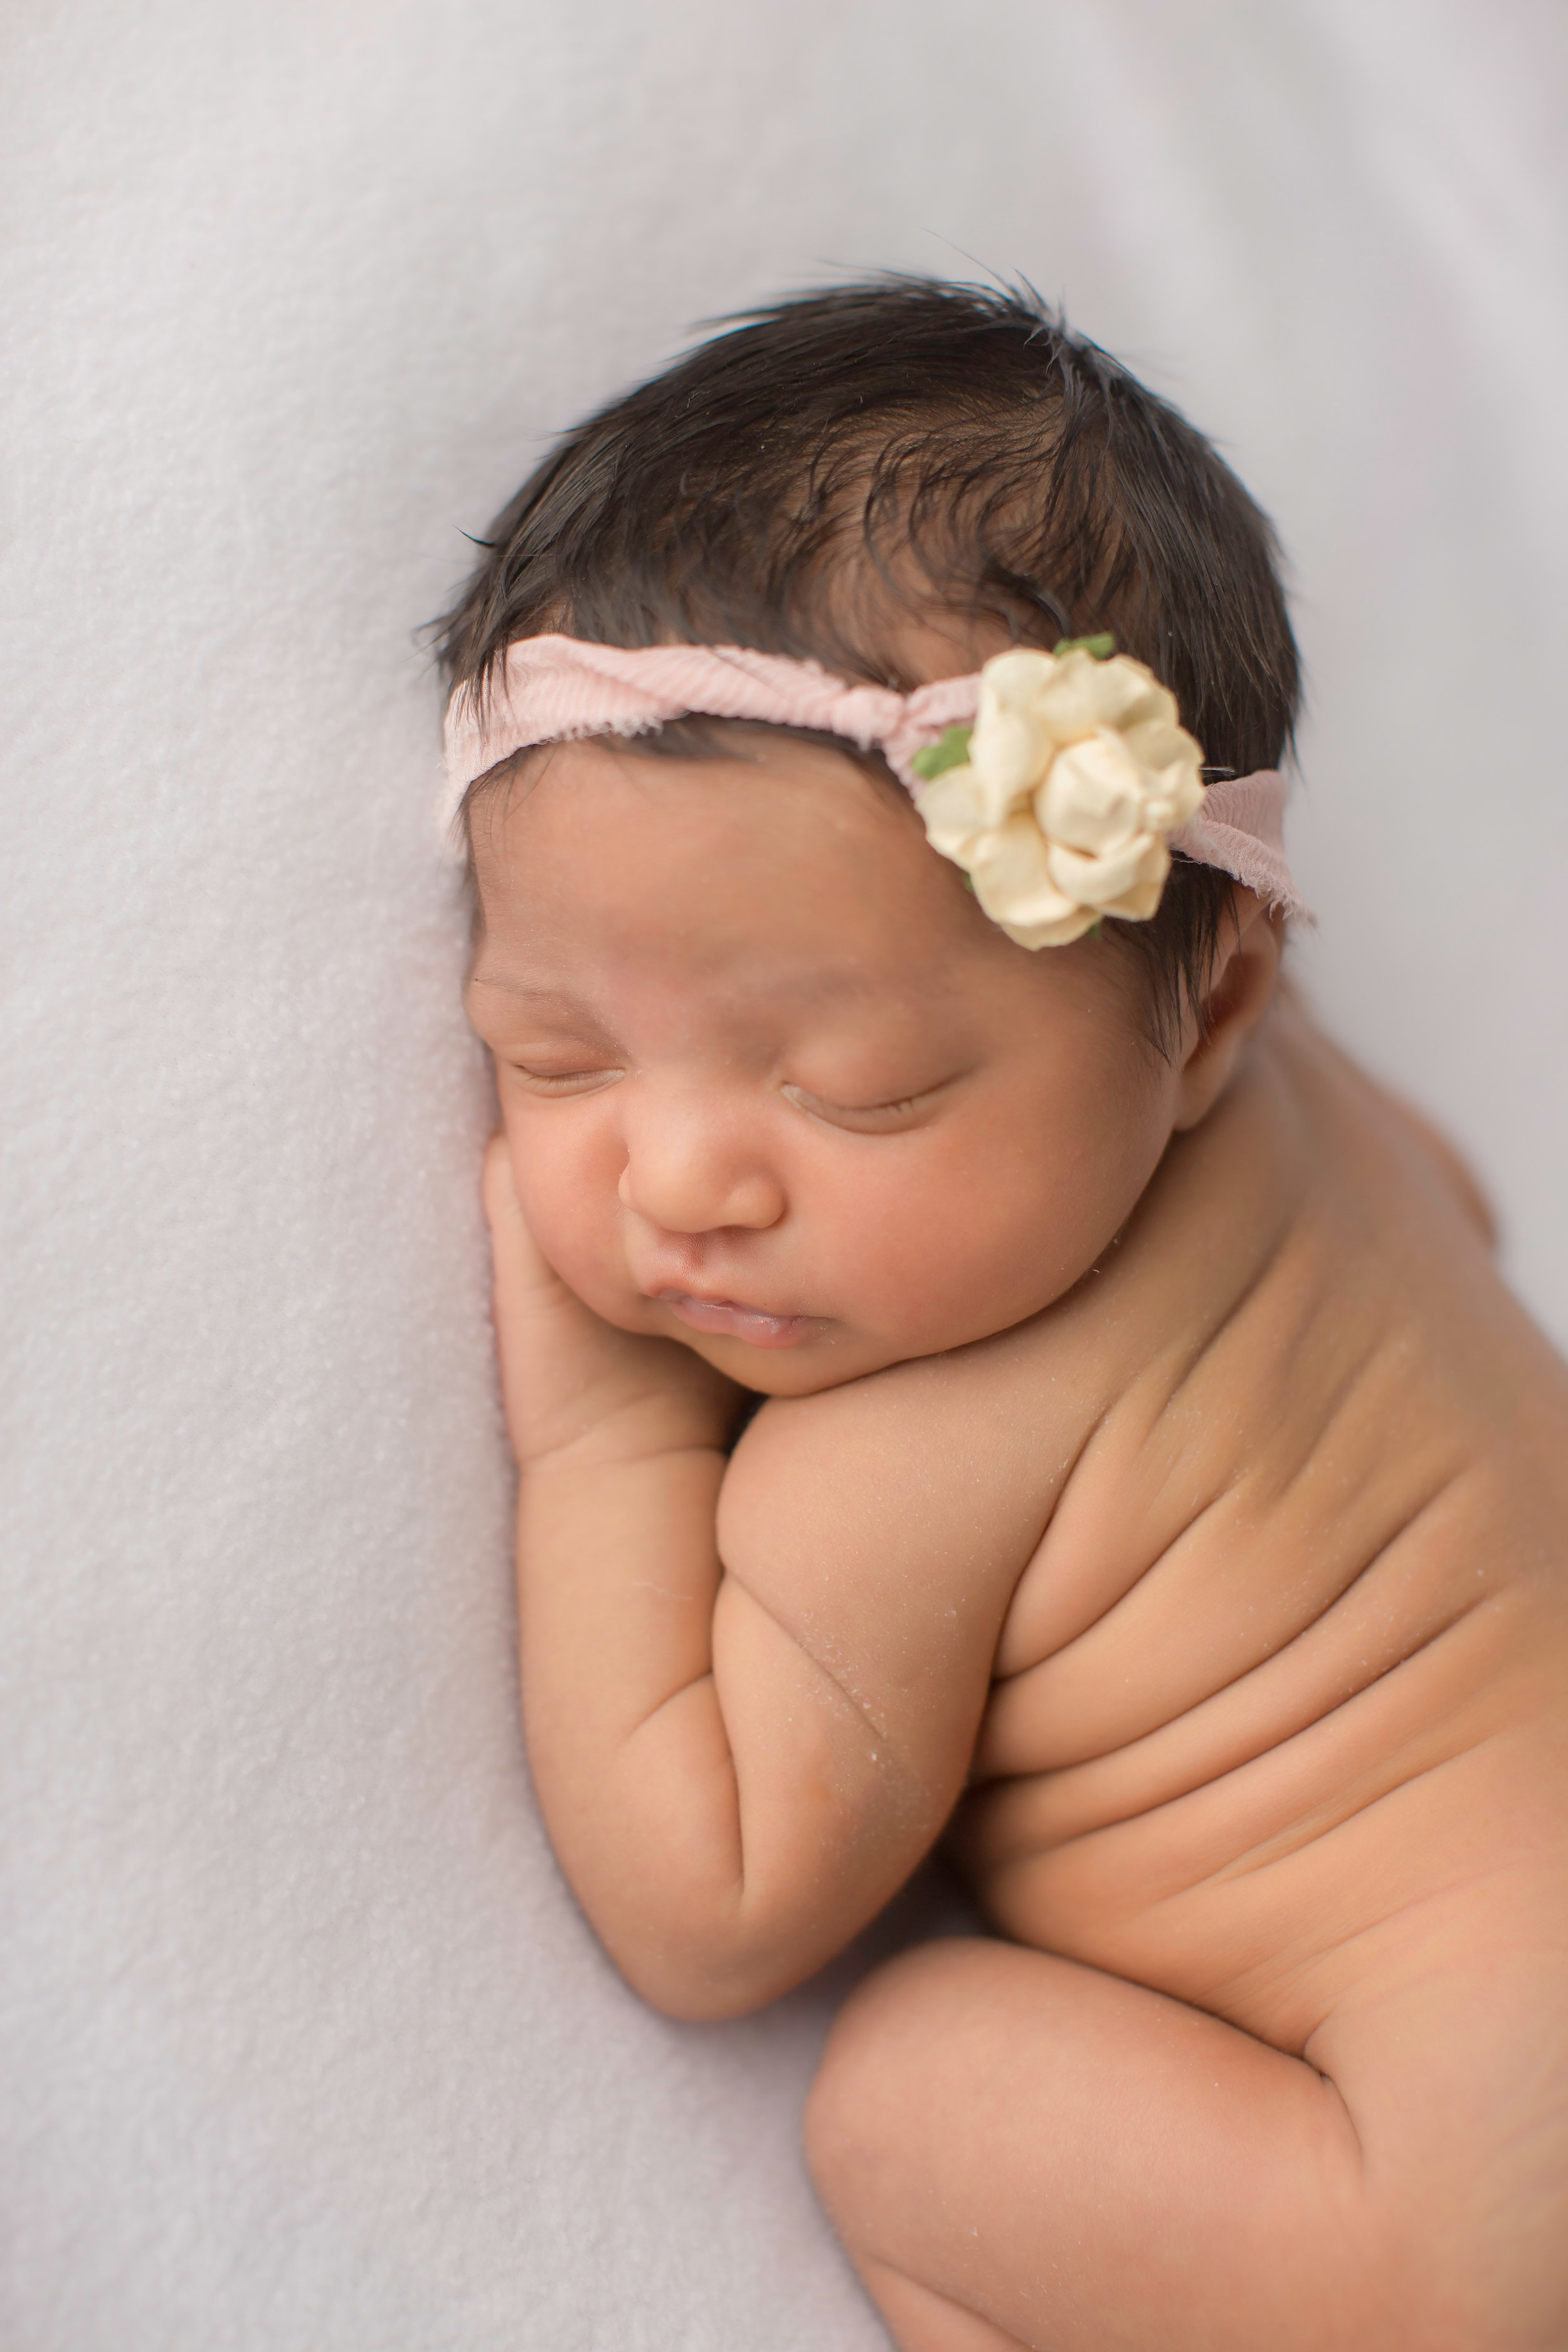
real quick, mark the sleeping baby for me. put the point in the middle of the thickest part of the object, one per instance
(983, 1370)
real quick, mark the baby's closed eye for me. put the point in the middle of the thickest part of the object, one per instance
(575, 1078)
(875, 1117)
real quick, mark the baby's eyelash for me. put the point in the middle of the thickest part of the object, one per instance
(873, 1115)
(563, 1082)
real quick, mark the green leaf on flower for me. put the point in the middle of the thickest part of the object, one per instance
(1095, 928)
(1101, 647)
(950, 750)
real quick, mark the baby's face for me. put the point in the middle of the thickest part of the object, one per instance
(773, 1086)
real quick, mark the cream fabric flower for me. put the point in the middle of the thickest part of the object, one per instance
(1076, 772)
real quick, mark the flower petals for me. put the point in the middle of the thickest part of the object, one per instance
(1092, 798)
(1006, 755)
(956, 811)
(1077, 771)
(1108, 884)
(1010, 869)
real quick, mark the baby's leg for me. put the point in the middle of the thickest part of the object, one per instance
(1017, 2150)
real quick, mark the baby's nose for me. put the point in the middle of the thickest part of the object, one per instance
(686, 1178)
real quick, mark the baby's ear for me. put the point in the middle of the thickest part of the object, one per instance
(1240, 985)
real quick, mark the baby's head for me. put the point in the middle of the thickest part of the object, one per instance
(776, 1084)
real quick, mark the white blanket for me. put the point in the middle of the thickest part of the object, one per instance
(305, 2046)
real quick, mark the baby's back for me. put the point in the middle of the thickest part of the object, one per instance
(1286, 1672)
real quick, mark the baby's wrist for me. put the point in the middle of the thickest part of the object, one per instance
(607, 1422)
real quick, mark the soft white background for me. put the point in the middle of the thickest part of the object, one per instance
(304, 2046)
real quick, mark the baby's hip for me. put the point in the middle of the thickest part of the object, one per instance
(1418, 1964)
(1282, 1920)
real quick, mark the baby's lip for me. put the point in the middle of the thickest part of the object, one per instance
(728, 1316)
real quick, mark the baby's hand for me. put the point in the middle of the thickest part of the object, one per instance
(570, 1379)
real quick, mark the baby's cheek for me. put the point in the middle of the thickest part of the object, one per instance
(942, 1289)
(963, 1249)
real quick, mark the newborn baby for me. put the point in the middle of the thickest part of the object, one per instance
(1156, 1496)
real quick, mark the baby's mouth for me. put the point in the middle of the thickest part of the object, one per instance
(734, 1321)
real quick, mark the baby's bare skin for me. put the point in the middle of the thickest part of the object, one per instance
(1277, 1729)
(1224, 1596)
(1289, 1658)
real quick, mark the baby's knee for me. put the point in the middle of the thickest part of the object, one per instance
(902, 2013)
(865, 2112)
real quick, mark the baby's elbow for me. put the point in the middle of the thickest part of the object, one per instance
(707, 1983)
(695, 2001)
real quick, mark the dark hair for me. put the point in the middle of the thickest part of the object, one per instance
(826, 465)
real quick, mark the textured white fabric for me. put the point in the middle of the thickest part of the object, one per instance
(305, 2047)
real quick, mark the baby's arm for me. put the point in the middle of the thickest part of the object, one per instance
(751, 1690)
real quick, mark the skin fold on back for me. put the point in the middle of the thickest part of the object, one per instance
(1306, 1564)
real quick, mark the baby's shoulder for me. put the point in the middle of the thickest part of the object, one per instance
(947, 1465)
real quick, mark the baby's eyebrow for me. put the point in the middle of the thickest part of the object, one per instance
(556, 1007)
(536, 992)
(815, 985)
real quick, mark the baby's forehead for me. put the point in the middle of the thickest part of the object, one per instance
(756, 819)
(746, 976)
(785, 880)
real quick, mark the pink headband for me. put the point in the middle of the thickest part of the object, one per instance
(552, 689)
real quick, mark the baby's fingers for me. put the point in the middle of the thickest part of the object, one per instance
(536, 1315)
(523, 1278)
(563, 1369)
